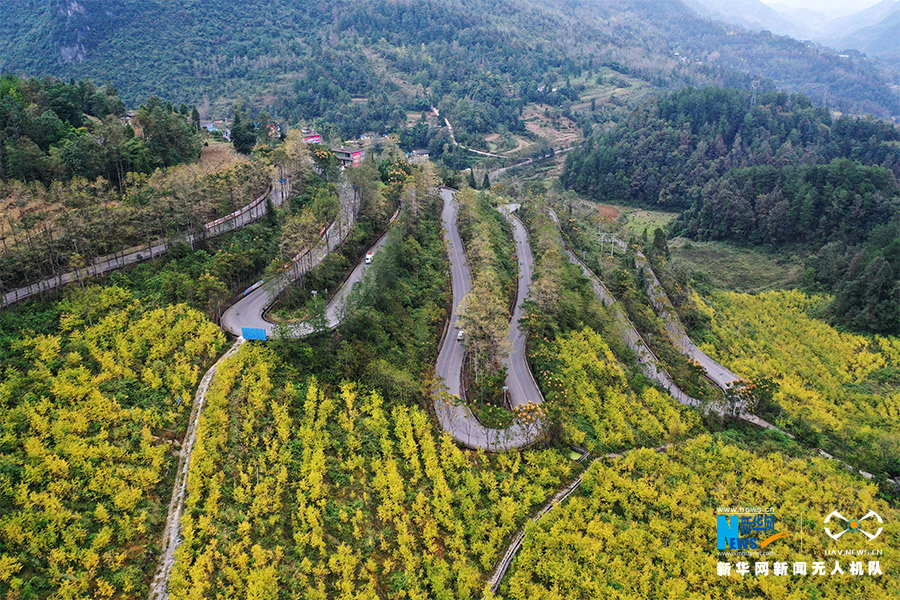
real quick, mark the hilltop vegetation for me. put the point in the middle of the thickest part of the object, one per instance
(91, 411)
(52, 131)
(671, 147)
(776, 172)
(78, 180)
(360, 66)
(643, 526)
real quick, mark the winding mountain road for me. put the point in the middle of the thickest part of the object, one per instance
(249, 312)
(650, 364)
(717, 373)
(523, 388)
(454, 417)
(493, 175)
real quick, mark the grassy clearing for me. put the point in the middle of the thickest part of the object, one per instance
(727, 267)
(636, 220)
(548, 123)
(614, 85)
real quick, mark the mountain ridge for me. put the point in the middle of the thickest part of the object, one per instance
(310, 59)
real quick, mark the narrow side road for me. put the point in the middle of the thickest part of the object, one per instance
(717, 373)
(650, 364)
(171, 537)
(522, 386)
(561, 496)
(250, 213)
(249, 311)
(455, 143)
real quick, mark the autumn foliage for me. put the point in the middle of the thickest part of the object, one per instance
(302, 492)
(89, 418)
(835, 389)
(643, 526)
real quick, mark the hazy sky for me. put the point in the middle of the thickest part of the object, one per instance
(832, 8)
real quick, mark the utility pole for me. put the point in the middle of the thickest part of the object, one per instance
(607, 237)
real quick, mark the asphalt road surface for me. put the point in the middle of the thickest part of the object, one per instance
(250, 310)
(719, 375)
(522, 386)
(456, 418)
(650, 364)
(334, 312)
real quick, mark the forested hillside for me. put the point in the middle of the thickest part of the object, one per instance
(361, 65)
(51, 131)
(81, 179)
(778, 171)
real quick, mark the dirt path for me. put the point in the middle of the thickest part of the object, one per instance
(515, 543)
(171, 538)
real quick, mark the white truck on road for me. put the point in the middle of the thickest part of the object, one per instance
(369, 256)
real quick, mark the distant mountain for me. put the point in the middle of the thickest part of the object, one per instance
(845, 27)
(875, 31)
(807, 21)
(881, 39)
(752, 14)
(362, 65)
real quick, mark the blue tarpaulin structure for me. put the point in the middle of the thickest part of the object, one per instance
(252, 333)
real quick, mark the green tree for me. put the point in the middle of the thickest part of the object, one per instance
(169, 136)
(660, 243)
(243, 135)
